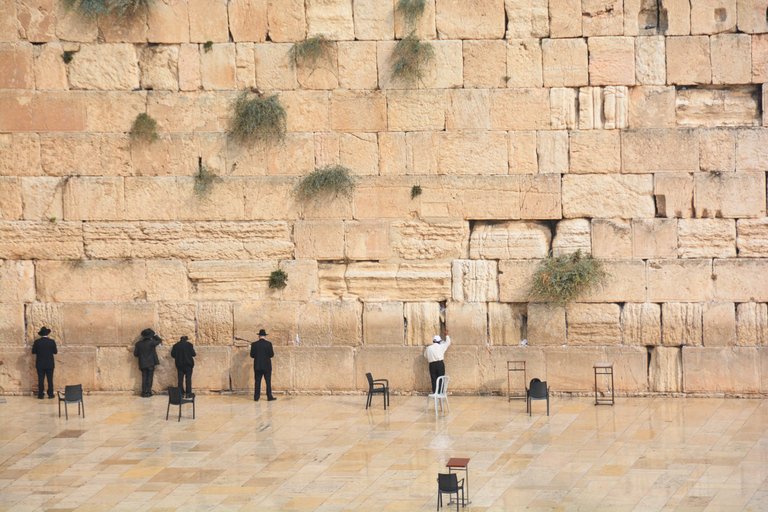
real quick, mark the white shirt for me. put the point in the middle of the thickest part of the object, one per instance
(436, 351)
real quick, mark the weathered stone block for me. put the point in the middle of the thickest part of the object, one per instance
(17, 373)
(483, 19)
(406, 281)
(515, 280)
(393, 154)
(665, 374)
(217, 67)
(31, 20)
(117, 370)
(652, 107)
(323, 74)
(593, 324)
(418, 240)
(493, 369)
(224, 280)
(759, 61)
(368, 239)
(11, 207)
(717, 150)
(19, 154)
(602, 17)
(286, 20)
(681, 324)
(735, 106)
(680, 280)
(61, 155)
(546, 325)
(571, 368)
(16, 70)
(105, 67)
(405, 367)
(413, 110)
(572, 235)
(676, 16)
(565, 18)
(625, 282)
(279, 318)
(650, 62)
(729, 195)
(189, 67)
(357, 64)
(595, 151)
(248, 20)
(373, 20)
(608, 196)
(751, 16)
(522, 153)
(175, 199)
(72, 26)
(358, 111)
(611, 239)
(168, 22)
(215, 323)
(509, 240)
(659, 150)
(731, 58)
(383, 323)
(752, 237)
(273, 66)
(641, 17)
(475, 281)
(603, 108)
(713, 16)
(94, 199)
(159, 67)
(338, 363)
(520, 109)
(507, 323)
(17, 281)
(674, 195)
(99, 324)
(319, 239)
(654, 238)
(39, 314)
(467, 322)
(375, 202)
(485, 63)
(331, 18)
(177, 319)
(328, 323)
(113, 111)
(688, 60)
(750, 149)
(208, 21)
(472, 153)
(526, 18)
(52, 111)
(11, 325)
(721, 369)
(719, 324)
(564, 108)
(611, 61)
(468, 109)
(641, 324)
(734, 280)
(565, 62)
(751, 324)
(424, 27)
(41, 240)
(707, 238)
(552, 151)
(422, 322)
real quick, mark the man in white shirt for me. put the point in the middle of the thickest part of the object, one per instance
(435, 354)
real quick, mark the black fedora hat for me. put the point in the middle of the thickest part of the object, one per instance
(262, 332)
(44, 331)
(147, 333)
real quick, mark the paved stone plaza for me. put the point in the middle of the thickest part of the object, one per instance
(328, 453)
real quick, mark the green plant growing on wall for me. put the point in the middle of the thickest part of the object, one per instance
(129, 8)
(257, 119)
(329, 181)
(415, 191)
(310, 51)
(411, 10)
(144, 129)
(207, 46)
(204, 179)
(67, 56)
(409, 58)
(278, 279)
(120, 8)
(560, 279)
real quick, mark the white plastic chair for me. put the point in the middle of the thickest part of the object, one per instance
(440, 394)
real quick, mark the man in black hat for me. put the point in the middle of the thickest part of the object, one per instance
(262, 354)
(184, 354)
(145, 350)
(44, 348)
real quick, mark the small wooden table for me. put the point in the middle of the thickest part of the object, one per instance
(515, 366)
(459, 463)
(607, 370)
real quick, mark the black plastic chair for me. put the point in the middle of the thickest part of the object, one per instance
(536, 390)
(72, 394)
(175, 398)
(377, 386)
(449, 483)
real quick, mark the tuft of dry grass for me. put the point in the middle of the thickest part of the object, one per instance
(411, 10)
(258, 119)
(310, 51)
(204, 179)
(410, 58)
(144, 128)
(278, 279)
(329, 181)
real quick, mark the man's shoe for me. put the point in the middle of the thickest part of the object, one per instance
(50, 397)
(271, 398)
(255, 399)
(39, 397)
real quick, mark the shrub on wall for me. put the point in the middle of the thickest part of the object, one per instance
(561, 279)
(310, 51)
(329, 181)
(204, 179)
(120, 8)
(409, 58)
(411, 10)
(257, 119)
(144, 128)
(278, 279)
(415, 191)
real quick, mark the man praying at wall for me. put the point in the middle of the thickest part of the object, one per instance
(146, 351)
(183, 352)
(44, 349)
(435, 354)
(262, 354)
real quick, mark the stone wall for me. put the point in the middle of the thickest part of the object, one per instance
(635, 130)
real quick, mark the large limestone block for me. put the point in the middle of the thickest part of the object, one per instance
(475, 281)
(463, 365)
(564, 108)
(197, 240)
(167, 280)
(177, 319)
(552, 151)
(565, 18)
(707, 238)
(405, 367)
(688, 60)
(611, 239)
(731, 58)
(105, 67)
(522, 153)
(527, 18)
(331, 18)
(611, 61)
(50, 111)
(759, 61)
(570, 368)
(515, 279)
(406, 281)
(654, 238)
(42, 198)
(40, 240)
(422, 322)
(713, 16)
(377, 202)
(159, 68)
(750, 149)
(19, 154)
(468, 109)
(479, 152)
(652, 107)
(227, 280)
(641, 17)
(572, 235)
(383, 323)
(717, 150)
(357, 64)
(117, 370)
(546, 324)
(625, 282)
(273, 66)
(482, 19)
(735, 106)
(39, 314)
(595, 195)
(373, 20)
(113, 111)
(751, 16)
(595, 151)
(17, 281)
(752, 237)
(11, 207)
(729, 195)
(520, 109)
(593, 324)
(509, 240)
(641, 324)
(353, 111)
(16, 69)
(565, 62)
(603, 107)
(630, 368)
(90, 198)
(721, 369)
(329, 323)
(168, 22)
(286, 20)
(680, 280)
(212, 368)
(660, 150)
(494, 377)
(507, 323)
(11, 325)
(424, 27)
(321, 75)
(189, 67)
(100, 324)
(245, 66)
(719, 319)
(208, 21)
(191, 111)
(369, 239)
(665, 373)
(674, 195)
(393, 154)
(319, 239)
(17, 371)
(444, 71)
(467, 323)
(360, 151)
(325, 369)
(735, 280)
(62, 155)
(165, 199)
(414, 110)
(485, 63)
(279, 318)
(751, 324)
(217, 67)
(248, 20)
(650, 64)
(76, 365)
(681, 324)
(31, 20)
(215, 323)
(602, 17)
(73, 26)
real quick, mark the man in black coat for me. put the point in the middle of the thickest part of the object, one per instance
(44, 348)
(262, 353)
(145, 350)
(184, 354)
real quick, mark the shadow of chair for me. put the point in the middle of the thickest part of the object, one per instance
(449, 483)
(72, 394)
(376, 386)
(441, 394)
(175, 398)
(536, 390)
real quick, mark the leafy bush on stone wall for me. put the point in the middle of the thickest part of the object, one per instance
(561, 279)
(409, 59)
(258, 119)
(310, 51)
(120, 8)
(329, 181)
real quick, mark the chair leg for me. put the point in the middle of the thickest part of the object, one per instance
(457, 501)
(59, 408)
(168, 410)
(179, 412)
(193, 409)
(368, 400)
(66, 413)
(83, 404)
(547, 405)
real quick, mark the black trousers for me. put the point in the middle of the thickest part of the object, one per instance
(47, 374)
(436, 369)
(257, 375)
(147, 375)
(185, 374)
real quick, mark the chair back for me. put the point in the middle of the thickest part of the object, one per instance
(73, 393)
(538, 389)
(441, 386)
(174, 396)
(447, 482)
(370, 379)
